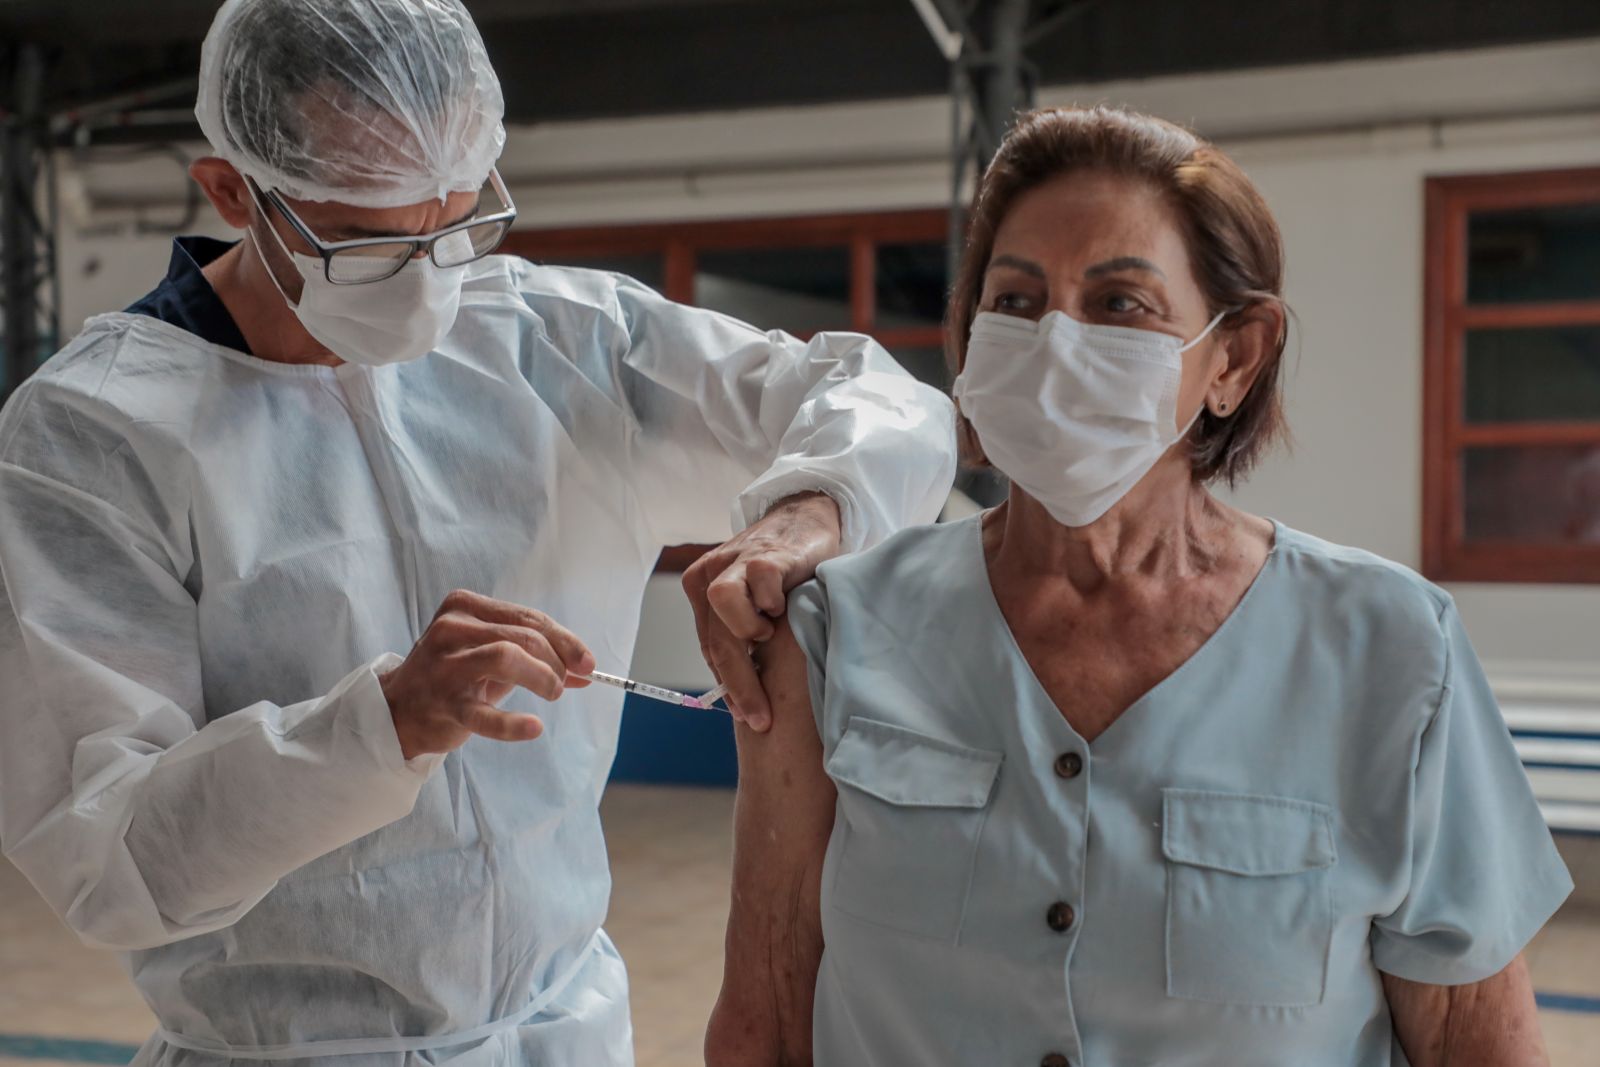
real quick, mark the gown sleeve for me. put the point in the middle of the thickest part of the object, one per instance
(138, 821)
(727, 413)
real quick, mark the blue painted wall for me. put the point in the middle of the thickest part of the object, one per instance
(679, 746)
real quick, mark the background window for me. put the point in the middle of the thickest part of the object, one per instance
(647, 267)
(1512, 450)
(803, 289)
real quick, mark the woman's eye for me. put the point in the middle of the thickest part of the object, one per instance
(1015, 303)
(1122, 303)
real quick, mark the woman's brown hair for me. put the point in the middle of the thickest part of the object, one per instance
(1232, 238)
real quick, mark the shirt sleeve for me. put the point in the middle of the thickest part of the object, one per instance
(1485, 874)
(137, 821)
(808, 620)
(728, 414)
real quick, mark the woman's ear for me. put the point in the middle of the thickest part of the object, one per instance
(1250, 345)
(225, 187)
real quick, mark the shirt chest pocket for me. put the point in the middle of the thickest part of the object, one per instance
(1249, 897)
(911, 808)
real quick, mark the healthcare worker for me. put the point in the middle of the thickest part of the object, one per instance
(289, 551)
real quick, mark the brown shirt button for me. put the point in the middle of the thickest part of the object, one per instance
(1060, 917)
(1069, 765)
(1055, 1059)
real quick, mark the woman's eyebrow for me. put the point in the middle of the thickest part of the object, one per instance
(1111, 266)
(1026, 266)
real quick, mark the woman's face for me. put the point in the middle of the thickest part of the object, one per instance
(1109, 251)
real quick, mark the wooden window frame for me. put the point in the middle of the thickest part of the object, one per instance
(1447, 555)
(678, 243)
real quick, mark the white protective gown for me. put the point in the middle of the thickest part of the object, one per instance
(206, 559)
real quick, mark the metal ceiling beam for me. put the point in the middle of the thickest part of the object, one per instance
(992, 80)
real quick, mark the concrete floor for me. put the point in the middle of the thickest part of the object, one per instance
(670, 854)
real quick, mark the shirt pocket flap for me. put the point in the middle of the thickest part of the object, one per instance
(911, 769)
(1244, 834)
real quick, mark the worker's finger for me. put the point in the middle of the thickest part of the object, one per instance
(573, 652)
(768, 580)
(729, 656)
(509, 663)
(695, 581)
(470, 632)
(486, 720)
(730, 597)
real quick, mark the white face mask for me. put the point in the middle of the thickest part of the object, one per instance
(399, 319)
(1075, 414)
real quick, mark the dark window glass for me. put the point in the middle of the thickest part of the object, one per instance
(1544, 374)
(1534, 254)
(1532, 494)
(801, 290)
(984, 486)
(648, 267)
(925, 364)
(911, 285)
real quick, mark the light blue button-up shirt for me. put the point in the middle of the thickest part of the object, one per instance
(1324, 791)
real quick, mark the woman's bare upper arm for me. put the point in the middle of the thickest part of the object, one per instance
(782, 820)
(1492, 1023)
(782, 784)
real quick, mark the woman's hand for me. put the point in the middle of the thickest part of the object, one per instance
(1492, 1023)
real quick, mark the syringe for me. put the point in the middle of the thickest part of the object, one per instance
(656, 692)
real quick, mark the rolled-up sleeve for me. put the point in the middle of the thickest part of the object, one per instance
(808, 620)
(1484, 872)
(732, 417)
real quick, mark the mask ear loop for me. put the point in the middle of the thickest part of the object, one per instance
(1201, 336)
(1212, 325)
(272, 277)
(266, 220)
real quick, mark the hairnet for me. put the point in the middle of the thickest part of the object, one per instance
(375, 103)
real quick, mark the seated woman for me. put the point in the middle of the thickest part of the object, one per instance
(1116, 774)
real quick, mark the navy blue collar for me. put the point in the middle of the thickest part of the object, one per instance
(185, 298)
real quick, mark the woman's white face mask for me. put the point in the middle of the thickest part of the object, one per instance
(1073, 413)
(398, 319)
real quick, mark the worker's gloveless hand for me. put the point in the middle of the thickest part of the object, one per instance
(473, 654)
(739, 588)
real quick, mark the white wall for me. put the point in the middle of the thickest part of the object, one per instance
(108, 273)
(1340, 151)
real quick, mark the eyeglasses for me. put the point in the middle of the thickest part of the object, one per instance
(372, 259)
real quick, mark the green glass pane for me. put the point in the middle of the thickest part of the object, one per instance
(911, 285)
(1532, 495)
(924, 364)
(801, 290)
(1543, 374)
(1534, 254)
(648, 267)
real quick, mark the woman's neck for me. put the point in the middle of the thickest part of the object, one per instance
(1167, 527)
